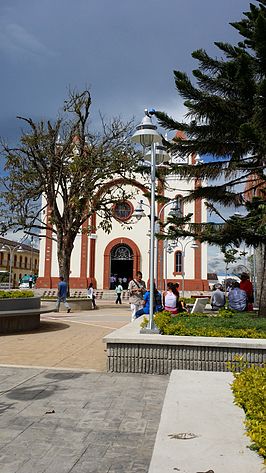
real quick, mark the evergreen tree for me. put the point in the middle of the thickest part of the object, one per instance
(226, 118)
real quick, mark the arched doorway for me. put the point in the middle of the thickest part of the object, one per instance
(121, 264)
(115, 258)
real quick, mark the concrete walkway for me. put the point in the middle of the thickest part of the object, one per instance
(201, 430)
(56, 421)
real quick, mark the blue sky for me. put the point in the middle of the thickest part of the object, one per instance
(125, 52)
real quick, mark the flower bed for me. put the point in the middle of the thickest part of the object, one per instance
(223, 324)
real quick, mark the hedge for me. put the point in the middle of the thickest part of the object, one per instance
(225, 324)
(15, 294)
(249, 389)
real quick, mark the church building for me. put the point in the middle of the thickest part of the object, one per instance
(100, 257)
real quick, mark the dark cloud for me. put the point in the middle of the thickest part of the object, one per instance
(125, 51)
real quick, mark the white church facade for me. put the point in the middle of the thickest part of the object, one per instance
(98, 256)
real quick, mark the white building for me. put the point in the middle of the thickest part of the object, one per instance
(125, 250)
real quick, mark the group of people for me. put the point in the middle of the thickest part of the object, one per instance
(116, 280)
(139, 298)
(240, 295)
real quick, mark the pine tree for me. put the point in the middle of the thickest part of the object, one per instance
(226, 118)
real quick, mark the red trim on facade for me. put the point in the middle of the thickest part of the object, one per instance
(92, 253)
(197, 219)
(107, 258)
(123, 219)
(177, 273)
(45, 281)
(84, 251)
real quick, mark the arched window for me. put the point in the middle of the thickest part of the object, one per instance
(26, 262)
(178, 262)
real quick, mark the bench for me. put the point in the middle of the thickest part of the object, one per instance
(20, 314)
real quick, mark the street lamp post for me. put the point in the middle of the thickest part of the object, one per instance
(183, 254)
(146, 135)
(11, 251)
(174, 211)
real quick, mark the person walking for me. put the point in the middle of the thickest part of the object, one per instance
(136, 290)
(91, 295)
(61, 295)
(119, 292)
(30, 282)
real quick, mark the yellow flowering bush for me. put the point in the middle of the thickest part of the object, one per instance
(15, 294)
(249, 389)
(209, 325)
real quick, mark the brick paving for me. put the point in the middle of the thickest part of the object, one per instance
(72, 416)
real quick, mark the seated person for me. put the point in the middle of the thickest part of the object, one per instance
(157, 305)
(237, 298)
(217, 298)
(246, 285)
(170, 298)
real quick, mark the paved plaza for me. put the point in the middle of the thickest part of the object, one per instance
(56, 421)
(66, 340)
(73, 416)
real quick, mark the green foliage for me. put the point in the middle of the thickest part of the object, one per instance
(15, 294)
(226, 110)
(249, 389)
(71, 173)
(227, 313)
(226, 118)
(208, 325)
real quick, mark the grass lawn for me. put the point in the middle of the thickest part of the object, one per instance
(240, 325)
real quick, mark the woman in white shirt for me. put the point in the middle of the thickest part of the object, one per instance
(170, 299)
(91, 295)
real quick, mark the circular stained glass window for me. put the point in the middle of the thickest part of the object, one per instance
(122, 210)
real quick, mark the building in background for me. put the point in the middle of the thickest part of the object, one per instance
(24, 260)
(99, 257)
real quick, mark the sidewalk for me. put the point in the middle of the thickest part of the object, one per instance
(77, 419)
(56, 421)
(201, 430)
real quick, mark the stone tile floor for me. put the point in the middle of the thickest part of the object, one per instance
(62, 421)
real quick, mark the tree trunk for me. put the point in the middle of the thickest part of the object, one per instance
(64, 251)
(260, 268)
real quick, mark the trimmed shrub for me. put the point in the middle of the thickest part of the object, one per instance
(249, 389)
(209, 325)
(15, 294)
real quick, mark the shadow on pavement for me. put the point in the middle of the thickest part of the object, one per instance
(63, 376)
(45, 326)
(28, 393)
